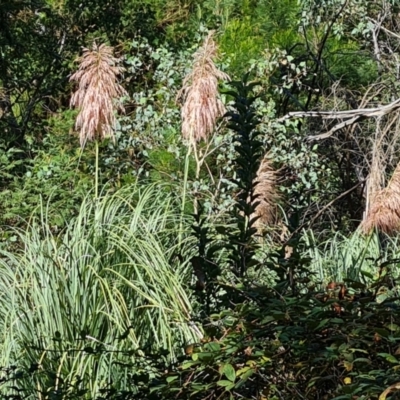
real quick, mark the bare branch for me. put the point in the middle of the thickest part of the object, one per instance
(351, 116)
(385, 29)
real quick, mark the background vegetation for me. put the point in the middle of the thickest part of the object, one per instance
(217, 216)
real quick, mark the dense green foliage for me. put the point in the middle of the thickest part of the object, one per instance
(167, 284)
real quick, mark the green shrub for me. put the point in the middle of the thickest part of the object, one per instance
(332, 344)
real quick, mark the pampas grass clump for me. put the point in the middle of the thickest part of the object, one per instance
(199, 94)
(97, 94)
(267, 195)
(384, 214)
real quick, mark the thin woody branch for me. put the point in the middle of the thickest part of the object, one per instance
(385, 29)
(350, 116)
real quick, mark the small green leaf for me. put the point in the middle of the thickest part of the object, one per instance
(381, 298)
(389, 357)
(205, 356)
(362, 360)
(226, 384)
(241, 371)
(213, 346)
(188, 364)
(353, 350)
(172, 378)
(229, 372)
(392, 327)
(322, 324)
(247, 374)
(367, 274)
(383, 332)
(337, 321)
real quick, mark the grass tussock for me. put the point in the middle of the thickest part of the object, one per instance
(344, 257)
(97, 93)
(384, 214)
(109, 282)
(201, 105)
(267, 194)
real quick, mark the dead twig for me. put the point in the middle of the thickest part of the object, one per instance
(350, 116)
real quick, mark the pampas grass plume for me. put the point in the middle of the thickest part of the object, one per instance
(201, 106)
(98, 93)
(384, 214)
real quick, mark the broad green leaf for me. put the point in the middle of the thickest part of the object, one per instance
(393, 327)
(389, 357)
(212, 346)
(322, 323)
(189, 364)
(225, 383)
(229, 372)
(362, 360)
